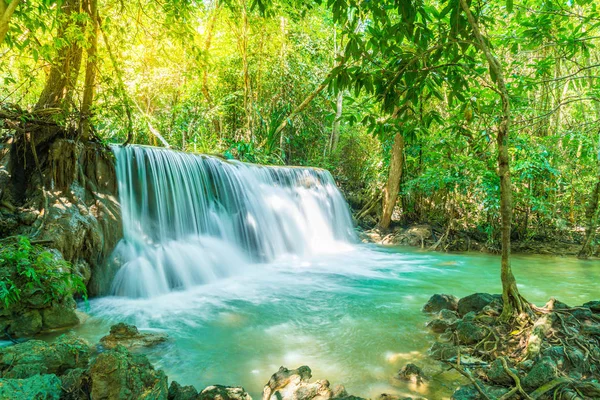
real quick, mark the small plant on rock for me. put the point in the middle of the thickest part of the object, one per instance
(26, 268)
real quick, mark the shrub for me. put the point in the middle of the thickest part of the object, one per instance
(30, 269)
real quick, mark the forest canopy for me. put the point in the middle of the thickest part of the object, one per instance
(399, 99)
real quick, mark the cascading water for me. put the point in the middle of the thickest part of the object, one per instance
(190, 219)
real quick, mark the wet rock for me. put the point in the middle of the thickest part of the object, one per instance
(119, 375)
(218, 392)
(446, 319)
(386, 396)
(35, 357)
(75, 384)
(39, 387)
(60, 315)
(594, 306)
(469, 332)
(467, 392)
(583, 314)
(543, 371)
(26, 324)
(294, 384)
(178, 392)
(439, 302)
(412, 373)
(498, 375)
(475, 302)
(443, 351)
(129, 337)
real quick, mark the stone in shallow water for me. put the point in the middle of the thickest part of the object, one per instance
(39, 387)
(469, 332)
(294, 384)
(439, 302)
(218, 392)
(445, 319)
(178, 392)
(129, 337)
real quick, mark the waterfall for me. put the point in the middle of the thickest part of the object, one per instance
(190, 219)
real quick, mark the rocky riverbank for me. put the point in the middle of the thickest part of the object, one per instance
(116, 369)
(432, 238)
(552, 354)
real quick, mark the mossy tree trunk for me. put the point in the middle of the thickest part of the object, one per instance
(514, 303)
(390, 193)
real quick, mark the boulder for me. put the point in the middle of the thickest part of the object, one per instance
(411, 373)
(446, 319)
(218, 392)
(469, 332)
(294, 384)
(26, 324)
(178, 392)
(498, 375)
(38, 387)
(60, 315)
(35, 357)
(129, 337)
(119, 375)
(543, 371)
(439, 302)
(75, 384)
(475, 302)
(594, 306)
(443, 351)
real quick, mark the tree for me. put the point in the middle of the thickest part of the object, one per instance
(7, 8)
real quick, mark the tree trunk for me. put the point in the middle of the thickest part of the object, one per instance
(61, 81)
(390, 193)
(335, 131)
(207, 43)
(592, 207)
(513, 303)
(90, 70)
(6, 12)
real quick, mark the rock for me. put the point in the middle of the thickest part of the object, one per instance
(75, 384)
(386, 396)
(543, 371)
(594, 306)
(61, 315)
(38, 387)
(443, 351)
(218, 392)
(466, 392)
(178, 392)
(498, 375)
(27, 324)
(592, 330)
(475, 302)
(412, 373)
(439, 302)
(294, 384)
(469, 332)
(35, 357)
(129, 337)
(119, 375)
(446, 319)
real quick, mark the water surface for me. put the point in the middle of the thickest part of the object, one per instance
(353, 316)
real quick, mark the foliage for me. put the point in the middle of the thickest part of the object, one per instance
(222, 76)
(29, 269)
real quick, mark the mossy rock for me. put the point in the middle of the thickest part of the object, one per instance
(119, 375)
(36, 387)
